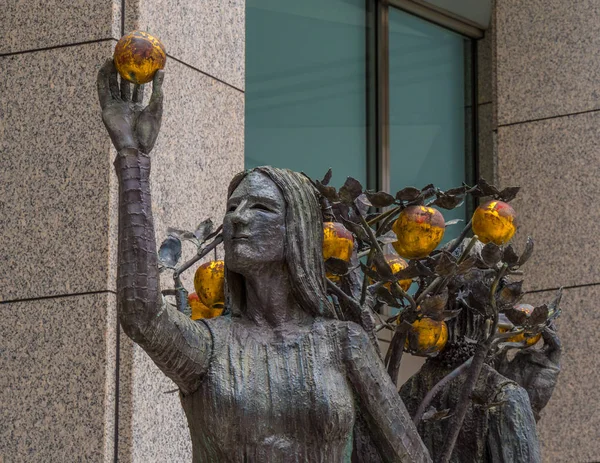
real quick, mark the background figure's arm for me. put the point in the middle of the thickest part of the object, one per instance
(392, 428)
(536, 370)
(180, 347)
(512, 434)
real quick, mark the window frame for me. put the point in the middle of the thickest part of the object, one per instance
(378, 92)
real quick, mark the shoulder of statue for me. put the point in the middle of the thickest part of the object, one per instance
(496, 386)
(219, 327)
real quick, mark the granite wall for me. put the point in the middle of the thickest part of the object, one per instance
(546, 102)
(73, 387)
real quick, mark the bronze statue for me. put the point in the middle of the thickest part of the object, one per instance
(281, 379)
(292, 372)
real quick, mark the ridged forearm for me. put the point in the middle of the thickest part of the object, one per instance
(137, 279)
(180, 347)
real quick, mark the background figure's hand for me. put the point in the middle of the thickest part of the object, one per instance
(536, 370)
(129, 124)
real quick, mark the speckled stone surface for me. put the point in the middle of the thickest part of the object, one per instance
(570, 425)
(110, 376)
(55, 172)
(56, 361)
(487, 154)
(556, 163)
(547, 58)
(208, 35)
(40, 24)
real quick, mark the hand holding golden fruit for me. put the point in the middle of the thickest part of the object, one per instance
(426, 337)
(209, 283)
(129, 124)
(419, 230)
(529, 338)
(138, 56)
(494, 221)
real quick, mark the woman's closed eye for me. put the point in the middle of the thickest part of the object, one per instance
(261, 207)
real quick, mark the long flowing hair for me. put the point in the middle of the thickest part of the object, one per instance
(303, 247)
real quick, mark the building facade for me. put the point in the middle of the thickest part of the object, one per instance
(73, 387)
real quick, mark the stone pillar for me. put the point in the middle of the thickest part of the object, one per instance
(547, 101)
(60, 349)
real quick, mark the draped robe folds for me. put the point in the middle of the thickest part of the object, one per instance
(256, 398)
(499, 426)
(277, 400)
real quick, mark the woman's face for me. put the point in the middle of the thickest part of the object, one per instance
(254, 225)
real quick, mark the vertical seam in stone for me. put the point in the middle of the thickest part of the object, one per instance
(118, 341)
(122, 21)
(117, 381)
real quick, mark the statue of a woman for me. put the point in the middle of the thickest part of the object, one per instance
(280, 379)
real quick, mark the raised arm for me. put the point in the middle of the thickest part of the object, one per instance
(179, 347)
(391, 427)
(536, 370)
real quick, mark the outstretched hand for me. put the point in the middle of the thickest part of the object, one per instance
(129, 124)
(536, 370)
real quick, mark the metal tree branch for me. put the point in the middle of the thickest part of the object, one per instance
(437, 388)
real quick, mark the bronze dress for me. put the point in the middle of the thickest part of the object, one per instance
(256, 399)
(274, 398)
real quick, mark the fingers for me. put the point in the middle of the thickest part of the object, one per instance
(107, 83)
(114, 83)
(155, 105)
(138, 94)
(125, 90)
(148, 124)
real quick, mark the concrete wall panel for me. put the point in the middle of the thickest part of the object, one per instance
(555, 162)
(34, 24)
(547, 58)
(208, 35)
(57, 358)
(570, 424)
(56, 162)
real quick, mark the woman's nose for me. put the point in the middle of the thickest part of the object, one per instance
(240, 214)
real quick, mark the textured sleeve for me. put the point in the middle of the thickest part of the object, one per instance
(179, 346)
(391, 427)
(512, 434)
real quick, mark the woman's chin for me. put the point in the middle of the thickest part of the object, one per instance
(240, 259)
